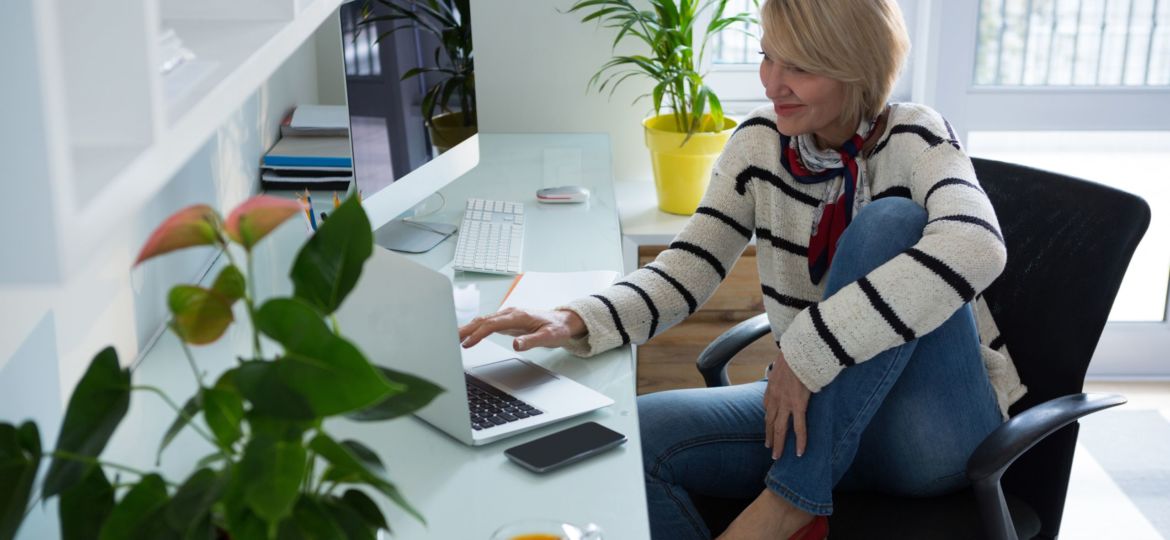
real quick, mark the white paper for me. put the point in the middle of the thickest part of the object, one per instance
(320, 117)
(547, 290)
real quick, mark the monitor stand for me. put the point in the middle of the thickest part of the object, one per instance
(409, 235)
(412, 236)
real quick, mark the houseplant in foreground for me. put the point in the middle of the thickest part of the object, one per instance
(449, 21)
(684, 141)
(273, 471)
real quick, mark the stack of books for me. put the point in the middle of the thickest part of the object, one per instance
(313, 151)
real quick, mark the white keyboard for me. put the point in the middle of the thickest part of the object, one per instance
(491, 239)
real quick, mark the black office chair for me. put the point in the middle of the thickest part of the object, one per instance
(1069, 243)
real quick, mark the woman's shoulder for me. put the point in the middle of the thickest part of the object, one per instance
(754, 141)
(758, 124)
(922, 120)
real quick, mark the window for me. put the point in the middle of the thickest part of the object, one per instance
(362, 57)
(1073, 43)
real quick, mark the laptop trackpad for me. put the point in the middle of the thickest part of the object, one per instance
(513, 373)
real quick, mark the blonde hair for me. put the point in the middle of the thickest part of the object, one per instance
(861, 43)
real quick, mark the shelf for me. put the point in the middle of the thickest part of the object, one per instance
(93, 165)
(224, 47)
(112, 181)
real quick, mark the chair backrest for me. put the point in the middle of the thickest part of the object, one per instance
(1069, 243)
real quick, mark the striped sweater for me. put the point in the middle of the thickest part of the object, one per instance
(960, 253)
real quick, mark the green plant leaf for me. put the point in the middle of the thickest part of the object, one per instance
(189, 410)
(230, 283)
(97, 406)
(201, 315)
(329, 264)
(271, 472)
(350, 521)
(253, 219)
(365, 507)
(136, 510)
(419, 392)
(193, 501)
(281, 429)
(20, 457)
(203, 529)
(214, 457)
(248, 526)
(191, 226)
(223, 410)
(85, 506)
(352, 461)
(260, 384)
(311, 521)
(332, 374)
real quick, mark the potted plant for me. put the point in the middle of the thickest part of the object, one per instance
(449, 21)
(273, 470)
(685, 141)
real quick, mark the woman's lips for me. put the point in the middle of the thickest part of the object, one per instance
(787, 110)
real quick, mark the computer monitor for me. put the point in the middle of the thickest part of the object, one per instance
(396, 165)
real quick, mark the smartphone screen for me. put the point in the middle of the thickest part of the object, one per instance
(565, 447)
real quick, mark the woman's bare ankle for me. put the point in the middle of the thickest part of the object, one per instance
(768, 516)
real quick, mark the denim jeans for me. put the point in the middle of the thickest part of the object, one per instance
(903, 422)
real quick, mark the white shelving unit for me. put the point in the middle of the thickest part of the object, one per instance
(99, 130)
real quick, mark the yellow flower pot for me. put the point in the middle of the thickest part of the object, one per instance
(682, 171)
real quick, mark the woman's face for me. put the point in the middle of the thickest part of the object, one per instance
(805, 102)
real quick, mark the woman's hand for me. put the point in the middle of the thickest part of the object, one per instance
(785, 396)
(535, 328)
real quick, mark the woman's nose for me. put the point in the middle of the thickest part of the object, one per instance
(775, 83)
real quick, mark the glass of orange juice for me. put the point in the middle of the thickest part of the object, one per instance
(546, 529)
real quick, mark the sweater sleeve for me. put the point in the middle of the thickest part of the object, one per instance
(680, 279)
(960, 253)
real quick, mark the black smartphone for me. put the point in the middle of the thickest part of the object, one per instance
(565, 447)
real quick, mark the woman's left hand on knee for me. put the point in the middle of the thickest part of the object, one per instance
(785, 396)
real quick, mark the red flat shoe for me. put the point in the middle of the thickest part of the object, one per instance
(817, 529)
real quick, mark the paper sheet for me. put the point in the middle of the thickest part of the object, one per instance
(547, 290)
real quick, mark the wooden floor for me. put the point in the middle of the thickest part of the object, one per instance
(668, 361)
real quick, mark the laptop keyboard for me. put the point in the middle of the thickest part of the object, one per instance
(492, 407)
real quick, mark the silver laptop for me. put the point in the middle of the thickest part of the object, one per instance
(402, 316)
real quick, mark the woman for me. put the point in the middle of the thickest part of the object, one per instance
(873, 240)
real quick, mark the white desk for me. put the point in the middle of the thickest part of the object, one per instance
(464, 492)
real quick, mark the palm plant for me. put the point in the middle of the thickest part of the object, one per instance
(450, 22)
(670, 31)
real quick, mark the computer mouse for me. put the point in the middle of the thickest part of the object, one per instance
(563, 194)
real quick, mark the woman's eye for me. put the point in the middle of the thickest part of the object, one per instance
(765, 55)
(796, 69)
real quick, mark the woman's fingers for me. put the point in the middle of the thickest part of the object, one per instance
(779, 428)
(546, 336)
(769, 415)
(489, 325)
(798, 428)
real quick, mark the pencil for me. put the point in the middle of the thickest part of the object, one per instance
(336, 201)
(312, 217)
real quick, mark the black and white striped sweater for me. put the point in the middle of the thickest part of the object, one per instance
(961, 252)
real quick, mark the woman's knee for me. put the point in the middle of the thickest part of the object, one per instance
(657, 418)
(884, 228)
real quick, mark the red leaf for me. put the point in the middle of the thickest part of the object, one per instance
(258, 216)
(191, 226)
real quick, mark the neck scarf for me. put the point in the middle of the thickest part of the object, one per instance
(842, 170)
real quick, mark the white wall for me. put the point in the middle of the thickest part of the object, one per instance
(49, 333)
(532, 64)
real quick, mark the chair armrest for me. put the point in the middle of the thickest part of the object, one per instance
(1009, 441)
(713, 360)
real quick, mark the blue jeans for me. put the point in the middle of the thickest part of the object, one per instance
(903, 422)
